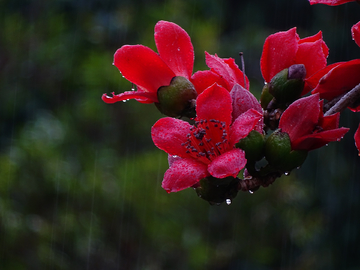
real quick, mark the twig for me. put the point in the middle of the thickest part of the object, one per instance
(348, 99)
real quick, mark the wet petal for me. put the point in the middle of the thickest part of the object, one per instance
(278, 53)
(355, 32)
(330, 2)
(357, 139)
(243, 125)
(317, 36)
(142, 66)
(205, 78)
(228, 164)
(317, 140)
(169, 133)
(182, 174)
(175, 48)
(301, 117)
(214, 103)
(237, 73)
(145, 97)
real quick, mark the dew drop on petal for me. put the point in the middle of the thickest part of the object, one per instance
(228, 201)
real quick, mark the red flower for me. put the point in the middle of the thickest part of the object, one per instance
(208, 147)
(283, 49)
(149, 70)
(330, 2)
(355, 32)
(307, 126)
(222, 71)
(339, 80)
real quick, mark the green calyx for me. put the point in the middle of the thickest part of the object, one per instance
(265, 97)
(178, 98)
(253, 145)
(278, 152)
(287, 85)
(216, 191)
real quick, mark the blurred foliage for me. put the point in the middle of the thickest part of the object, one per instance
(80, 181)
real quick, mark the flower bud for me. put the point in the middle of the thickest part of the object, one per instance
(216, 191)
(278, 152)
(266, 97)
(178, 98)
(253, 145)
(287, 85)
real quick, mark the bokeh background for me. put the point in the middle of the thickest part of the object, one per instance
(80, 180)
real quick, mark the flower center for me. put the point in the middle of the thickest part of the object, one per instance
(207, 140)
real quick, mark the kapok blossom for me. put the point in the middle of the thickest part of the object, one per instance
(149, 70)
(330, 2)
(223, 71)
(284, 49)
(208, 147)
(306, 125)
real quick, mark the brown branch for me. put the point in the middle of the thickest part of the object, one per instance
(348, 99)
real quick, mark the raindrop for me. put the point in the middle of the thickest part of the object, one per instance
(286, 173)
(298, 167)
(228, 201)
(124, 100)
(251, 192)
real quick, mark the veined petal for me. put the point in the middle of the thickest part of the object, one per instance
(228, 164)
(140, 96)
(243, 125)
(214, 103)
(183, 173)
(301, 117)
(204, 78)
(317, 140)
(311, 54)
(169, 133)
(355, 32)
(175, 48)
(142, 66)
(339, 80)
(278, 53)
(316, 37)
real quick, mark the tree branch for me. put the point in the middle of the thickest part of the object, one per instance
(348, 99)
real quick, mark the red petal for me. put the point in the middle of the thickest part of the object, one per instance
(238, 74)
(355, 32)
(243, 100)
(228, 164)
(169, 133)
(227, 69)
(143, 97)
(301, 117)
(203, 79)
(317, 36)
(357, 139)
(278, 53)
(330, 121)
(182, 174)
(243, 125)
(317, 140)
(142, 66)
(314, 79)
(330, 2)
(311, 54)
(175, 48)
(214, 103)
(339, 80)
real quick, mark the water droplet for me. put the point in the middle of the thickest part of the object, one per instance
(298, 167)
(132, 89)
(124, 100)
(286, 173)
(228, 201)
(251, 192)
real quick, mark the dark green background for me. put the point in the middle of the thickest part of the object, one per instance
(80, 180)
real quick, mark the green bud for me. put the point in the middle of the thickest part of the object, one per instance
(287, 85)
(216, 191)
(178, 98)
(278, 152)
(266, 97)
(253, 145)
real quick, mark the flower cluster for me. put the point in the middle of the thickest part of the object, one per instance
(215, 127)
